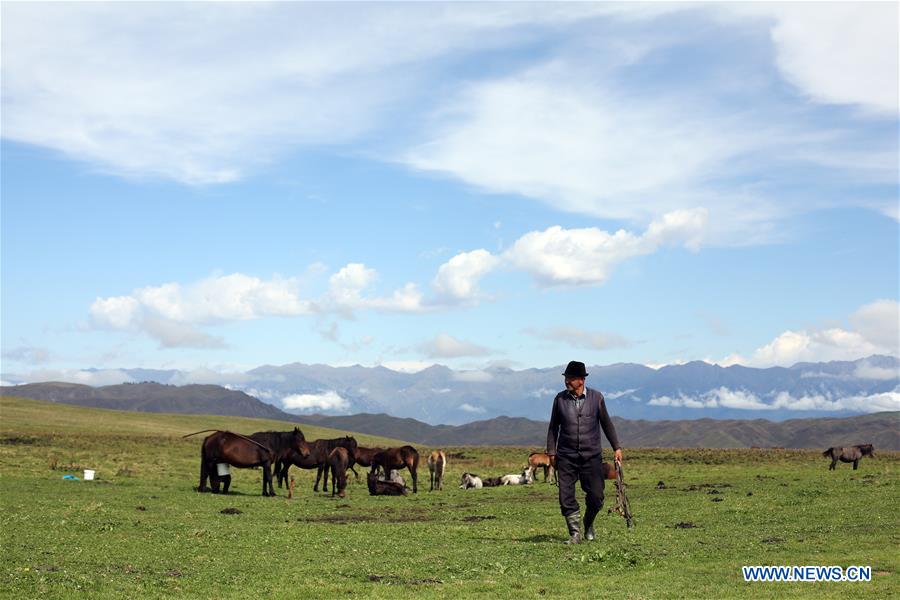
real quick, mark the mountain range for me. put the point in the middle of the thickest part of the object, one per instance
(881, 429)
(440, 395)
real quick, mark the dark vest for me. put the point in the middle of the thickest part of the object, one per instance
(577, 432)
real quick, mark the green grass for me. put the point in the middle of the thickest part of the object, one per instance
(141, 529)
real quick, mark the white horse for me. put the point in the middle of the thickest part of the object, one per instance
(523, 479)
(471, 481)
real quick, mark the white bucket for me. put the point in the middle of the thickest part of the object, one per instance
(223, 469)
(89, 474)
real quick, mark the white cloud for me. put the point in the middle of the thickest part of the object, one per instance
(582, 338)
(95, 378)
(444, 345)
(406, 366)
(27, 354)
(469, 408)
(558, 256)
(741, 399)
(876, 327)
(839, 52)
(457, 279)
(472, 376)
(324, 401)
(865, 370)
(347, 286)
(205, 94)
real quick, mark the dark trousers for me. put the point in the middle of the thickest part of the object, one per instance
(589, 471)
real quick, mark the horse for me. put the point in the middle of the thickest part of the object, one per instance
(404, 457)
(236, 450)
(282, 443)
(492, 481)
(339, 460)
(393, 477)
(543, 460)
(523, 479)
(363, 457)
(316, 459)
(847, 455)
(471, 481)
(384, 488)
(437, 463)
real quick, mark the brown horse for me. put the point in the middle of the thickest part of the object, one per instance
(404, 457)
(319, 450)
(282, 443)
(437, 462)
(236, 450)
(339, 460)
(364, 456)
(537, 460)
(848, 455)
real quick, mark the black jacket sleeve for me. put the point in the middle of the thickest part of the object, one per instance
(606, 423)
(553, 430)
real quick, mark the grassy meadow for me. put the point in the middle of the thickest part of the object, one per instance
(140, 529)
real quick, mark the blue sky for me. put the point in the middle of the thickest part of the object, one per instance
(219, 186)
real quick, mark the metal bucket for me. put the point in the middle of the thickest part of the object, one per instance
(89, 474)
(223, 469)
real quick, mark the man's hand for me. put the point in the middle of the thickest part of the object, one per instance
(619, 455)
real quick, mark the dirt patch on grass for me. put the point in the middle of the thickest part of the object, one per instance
(231, 511)
(694, 487)
(412, 516)
(772, 540)
(21, 440)
(477, 518)
(394, 580)
(685, 525)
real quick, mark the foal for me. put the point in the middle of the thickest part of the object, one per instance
(437, 462)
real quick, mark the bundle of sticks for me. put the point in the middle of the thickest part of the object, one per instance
(621, 507)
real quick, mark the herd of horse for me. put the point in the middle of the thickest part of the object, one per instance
(275, 452)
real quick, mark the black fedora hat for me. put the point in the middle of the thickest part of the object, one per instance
(575, 369)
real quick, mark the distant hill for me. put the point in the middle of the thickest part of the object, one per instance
(153, 397)
(881, 429)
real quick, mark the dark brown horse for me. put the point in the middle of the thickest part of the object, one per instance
(339, 460)
(384, 488)
(404, 457)
(236, 450)
(282, 444)
(319, 450)
(848, 455)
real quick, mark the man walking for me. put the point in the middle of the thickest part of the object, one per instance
(574, 437)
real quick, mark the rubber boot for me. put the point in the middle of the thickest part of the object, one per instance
(573, 522)
(589, 517)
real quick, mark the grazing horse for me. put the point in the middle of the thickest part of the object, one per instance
(537, 460)
(437, 463)
(847, 455)
(404, 457)
(236, 450)
(471, 481)
(523, 479)
(384, 488)
(316, 459)
(339, 460)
